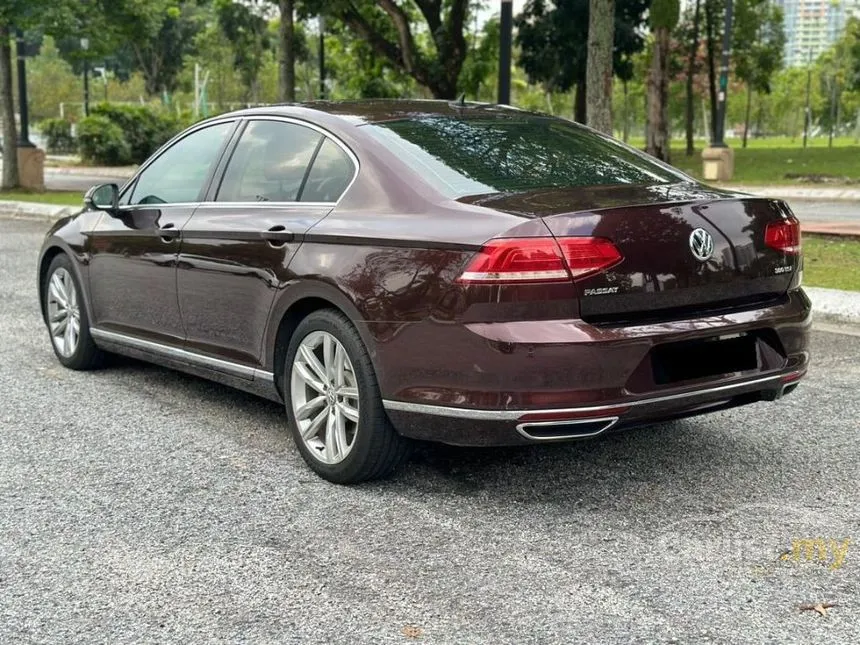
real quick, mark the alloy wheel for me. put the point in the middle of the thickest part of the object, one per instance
(64, 315)
(324, 397)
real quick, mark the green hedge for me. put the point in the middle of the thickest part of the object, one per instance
(101, 141)
(144, 128)
(58, 133)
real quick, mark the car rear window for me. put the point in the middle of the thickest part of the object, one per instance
(471, 155)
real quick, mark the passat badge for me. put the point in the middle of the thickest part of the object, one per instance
(701, 244)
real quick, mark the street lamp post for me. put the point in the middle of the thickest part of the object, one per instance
(85, 45)
(505, 40)
(807, 113)
(24, 133)
(718, 160)
(720, 131)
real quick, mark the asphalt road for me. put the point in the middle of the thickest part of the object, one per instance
(141, 505)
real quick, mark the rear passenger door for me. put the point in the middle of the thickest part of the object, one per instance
(238, 244)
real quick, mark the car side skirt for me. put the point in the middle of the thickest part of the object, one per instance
(243, 377)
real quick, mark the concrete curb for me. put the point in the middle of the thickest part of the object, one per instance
(123, 172)
(35, 210)
(835, 305)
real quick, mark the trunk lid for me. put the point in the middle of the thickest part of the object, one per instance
(660, 277)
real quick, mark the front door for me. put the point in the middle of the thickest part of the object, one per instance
(134, 252)
(236, 248)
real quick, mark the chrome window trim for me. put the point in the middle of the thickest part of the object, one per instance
(242, 118)
(217, 364)
(513, 415)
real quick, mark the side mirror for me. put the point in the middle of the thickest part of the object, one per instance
(103, 198)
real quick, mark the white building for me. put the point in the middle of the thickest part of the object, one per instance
(811, 26)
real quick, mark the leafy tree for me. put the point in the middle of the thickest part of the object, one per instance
(692, 37)
(598, 73)
(434, 58)
(663, 17)
(248, 34)
(52, 15)
(758, 41)
(553, 37)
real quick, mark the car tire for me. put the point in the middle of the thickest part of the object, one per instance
(334, 407)
(66, 317)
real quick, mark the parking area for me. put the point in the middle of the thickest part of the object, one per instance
(140, 505)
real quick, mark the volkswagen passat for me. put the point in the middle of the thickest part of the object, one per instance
(462, 273)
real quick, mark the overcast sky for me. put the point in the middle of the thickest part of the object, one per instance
(492, 7)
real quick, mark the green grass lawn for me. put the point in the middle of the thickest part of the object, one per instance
(58, 197)
(831, 262)
(767, 161)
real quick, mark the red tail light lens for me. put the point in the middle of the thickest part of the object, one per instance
(539, 259)
(588, 255)
(783, 236)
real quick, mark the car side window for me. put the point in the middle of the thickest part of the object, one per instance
(269, 163)
(179, 173)
(330, 175)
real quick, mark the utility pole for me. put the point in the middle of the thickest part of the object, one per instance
(834, 94)
(85, 45)
(24, 132)
(505, 40)
(322, 56)
(807, 119)
(719, 135)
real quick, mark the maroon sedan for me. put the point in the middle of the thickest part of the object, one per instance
(469, 274)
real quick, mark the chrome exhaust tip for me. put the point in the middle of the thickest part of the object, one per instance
(565, 430)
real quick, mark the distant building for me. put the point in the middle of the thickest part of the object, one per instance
(811, 26)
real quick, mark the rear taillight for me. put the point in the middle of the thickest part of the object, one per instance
(540, 259)
(783, 235)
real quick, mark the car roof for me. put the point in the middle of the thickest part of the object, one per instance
(359, 112)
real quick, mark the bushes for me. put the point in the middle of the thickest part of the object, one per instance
(58, 133)
(101, 141)
(145, 129)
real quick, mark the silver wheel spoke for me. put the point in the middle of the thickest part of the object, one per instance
(314, 427)
(340, 433)
(309, 378)
(60, 327)
(58, 291)
(348, 392)
(348, 411)
(313, 362)
(329, 357)
(305, 411)
(330, 441)
(339, 365)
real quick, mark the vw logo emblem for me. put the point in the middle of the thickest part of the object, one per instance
(701, 244)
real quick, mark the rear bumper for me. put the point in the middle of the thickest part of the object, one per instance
(476, 427)
(518, 383)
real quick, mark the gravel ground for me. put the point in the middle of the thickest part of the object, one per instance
(141, 505)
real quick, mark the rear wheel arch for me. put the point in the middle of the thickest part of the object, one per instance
(289, 313)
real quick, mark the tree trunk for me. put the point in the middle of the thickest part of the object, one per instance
(286, 62)
(710, 18)
(7, 112)
(625, 133)
(747, 115)
(657, 143)
(598, 74)
(579, 111)
(689, 113)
